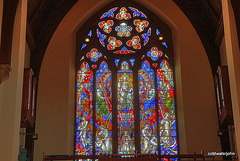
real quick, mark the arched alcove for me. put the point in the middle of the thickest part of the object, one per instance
(197, 119)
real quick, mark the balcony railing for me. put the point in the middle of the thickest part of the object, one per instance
(128, 157)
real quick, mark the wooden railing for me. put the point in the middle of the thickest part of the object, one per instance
(126, 157)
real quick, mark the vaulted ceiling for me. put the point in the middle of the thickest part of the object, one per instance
(45, 15)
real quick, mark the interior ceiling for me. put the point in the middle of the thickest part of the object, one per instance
(45, 15)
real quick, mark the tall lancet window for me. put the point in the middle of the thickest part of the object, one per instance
(147, 103)
(126, 142)
(125, 100)
(103, 110)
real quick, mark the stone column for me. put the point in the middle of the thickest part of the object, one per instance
(11, 90)
(9, 8)
(233, 60)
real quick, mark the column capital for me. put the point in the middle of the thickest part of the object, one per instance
(5, 69)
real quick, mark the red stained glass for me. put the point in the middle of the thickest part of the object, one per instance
(123, 14)
(134, 42)
(155, 64)
(94, 66)
(140, 25)
(106, 26)
(113, 43)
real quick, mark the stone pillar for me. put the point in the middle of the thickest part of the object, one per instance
(8, 17)
(11, 90)
(233, 60)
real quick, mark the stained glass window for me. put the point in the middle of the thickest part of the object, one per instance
(125, 100)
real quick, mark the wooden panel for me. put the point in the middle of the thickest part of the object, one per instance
(223, 95)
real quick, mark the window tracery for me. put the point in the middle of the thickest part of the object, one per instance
(125, 85)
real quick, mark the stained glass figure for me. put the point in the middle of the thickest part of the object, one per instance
(137, 13)
(132, 61)
(124, 50)
(123, 14)
(125, 114)
(134, 42)
(116, 62)
(110, 13)
(166, 108)
(145, 36)
(140, 25)
(148, 117)
(84, 121)
(90, 33)
(113, 43)
(154, 53)
(83, 46)
(123, 30)
(103, 110)
(94, 55)
(101, 38)
(106, 26)
(157, 32)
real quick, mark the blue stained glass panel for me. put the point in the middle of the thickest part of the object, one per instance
(117, 61)
(136, 12)
(103, 110)
(146, 36)
(166, 108)
(83, 46)
(165, 44)
(125, 110)
(90, 33)
(101, 38)
(110, 13)
(84, 121)
(132, 61)
(148, 117)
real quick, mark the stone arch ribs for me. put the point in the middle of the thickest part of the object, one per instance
(199, 13)
(9, 12)
(43, 35)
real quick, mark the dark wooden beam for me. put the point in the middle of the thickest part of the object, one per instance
(9, 12)
(205, 23)
(29, 38)
(219, 33)
(43, 37)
